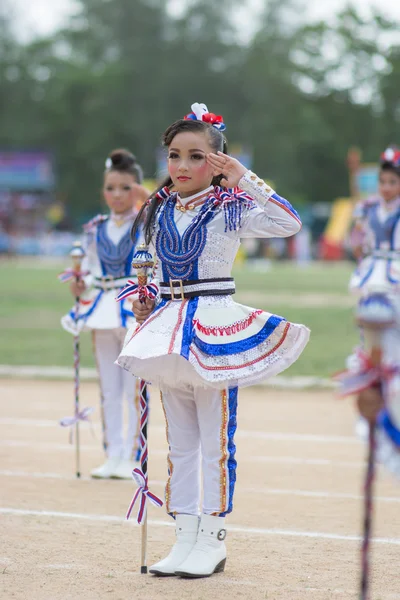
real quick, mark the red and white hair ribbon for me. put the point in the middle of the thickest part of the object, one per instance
(200, 112)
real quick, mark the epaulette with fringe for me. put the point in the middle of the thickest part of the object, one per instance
(235, 203)
(90, 225)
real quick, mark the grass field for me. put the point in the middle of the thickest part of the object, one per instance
(32, 302)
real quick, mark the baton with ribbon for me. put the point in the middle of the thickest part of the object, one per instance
(77, 255)
(375, 313)
(142, 262)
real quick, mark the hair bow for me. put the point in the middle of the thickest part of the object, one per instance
(391, 156)
(200, 112)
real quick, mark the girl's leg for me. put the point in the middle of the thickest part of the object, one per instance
(182, 494)
(216, 412)
(131, 442)
(107, 347)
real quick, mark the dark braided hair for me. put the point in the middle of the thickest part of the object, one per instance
(217, 141)
(123, 161)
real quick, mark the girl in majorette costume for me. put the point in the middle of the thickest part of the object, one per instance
(376, 238)
(107, 264)
(198, 345)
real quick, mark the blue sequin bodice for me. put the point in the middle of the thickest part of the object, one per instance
(115, 258)
(179, 254)
(383, 230)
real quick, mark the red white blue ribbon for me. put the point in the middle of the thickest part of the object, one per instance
(70, 274)
(200, 112)
(145, 291)
(354, 381)
(80, 415)
(144, 493)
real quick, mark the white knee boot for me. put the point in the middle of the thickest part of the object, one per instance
(209, 553)
(186, 535)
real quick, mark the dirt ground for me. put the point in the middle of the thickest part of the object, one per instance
(293, 534)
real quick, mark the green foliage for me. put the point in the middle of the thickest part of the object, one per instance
(298, 94)
(32, 334)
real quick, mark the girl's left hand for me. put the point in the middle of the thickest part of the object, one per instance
(232, 169)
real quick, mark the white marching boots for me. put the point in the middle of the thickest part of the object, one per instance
(209, 553)
(107, 470)
(186, 535)
(124, 469)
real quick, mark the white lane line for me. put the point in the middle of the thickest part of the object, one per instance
(237, 528)
(60, 567)
(241, 433)
(90, 374)
(316, 494)
(59, 476)
(17, 422)
(248, 490)
(288, 460)
(297, 437)
(294, 460)
(63, 447)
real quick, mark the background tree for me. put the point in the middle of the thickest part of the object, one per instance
(120, 71)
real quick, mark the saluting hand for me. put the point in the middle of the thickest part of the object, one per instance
(231, 169)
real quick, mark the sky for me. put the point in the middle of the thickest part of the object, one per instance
(44, 16)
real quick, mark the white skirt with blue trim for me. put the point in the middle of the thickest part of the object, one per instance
(213, 342)
(376, 273)
(99, 310)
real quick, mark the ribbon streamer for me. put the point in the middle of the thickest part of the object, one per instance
(131, 288)
(70, 274)
(353, 381)
(80, 415)
(144, 493)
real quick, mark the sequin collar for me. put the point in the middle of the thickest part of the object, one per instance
(122, 218)
(192, 202)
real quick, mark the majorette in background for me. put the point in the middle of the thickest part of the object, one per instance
(376, 241)
(107, 267)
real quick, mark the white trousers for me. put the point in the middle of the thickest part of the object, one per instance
(201, 424)
(115, 383)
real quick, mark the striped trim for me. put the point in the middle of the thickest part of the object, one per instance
(231, 464)
(223, 478)
(220, 348)
(244, 365)
(177, 326)
(169, 462)
(285, 205)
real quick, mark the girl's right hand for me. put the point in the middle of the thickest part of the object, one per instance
(141, 310)
(77, 287)
(370, 403)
